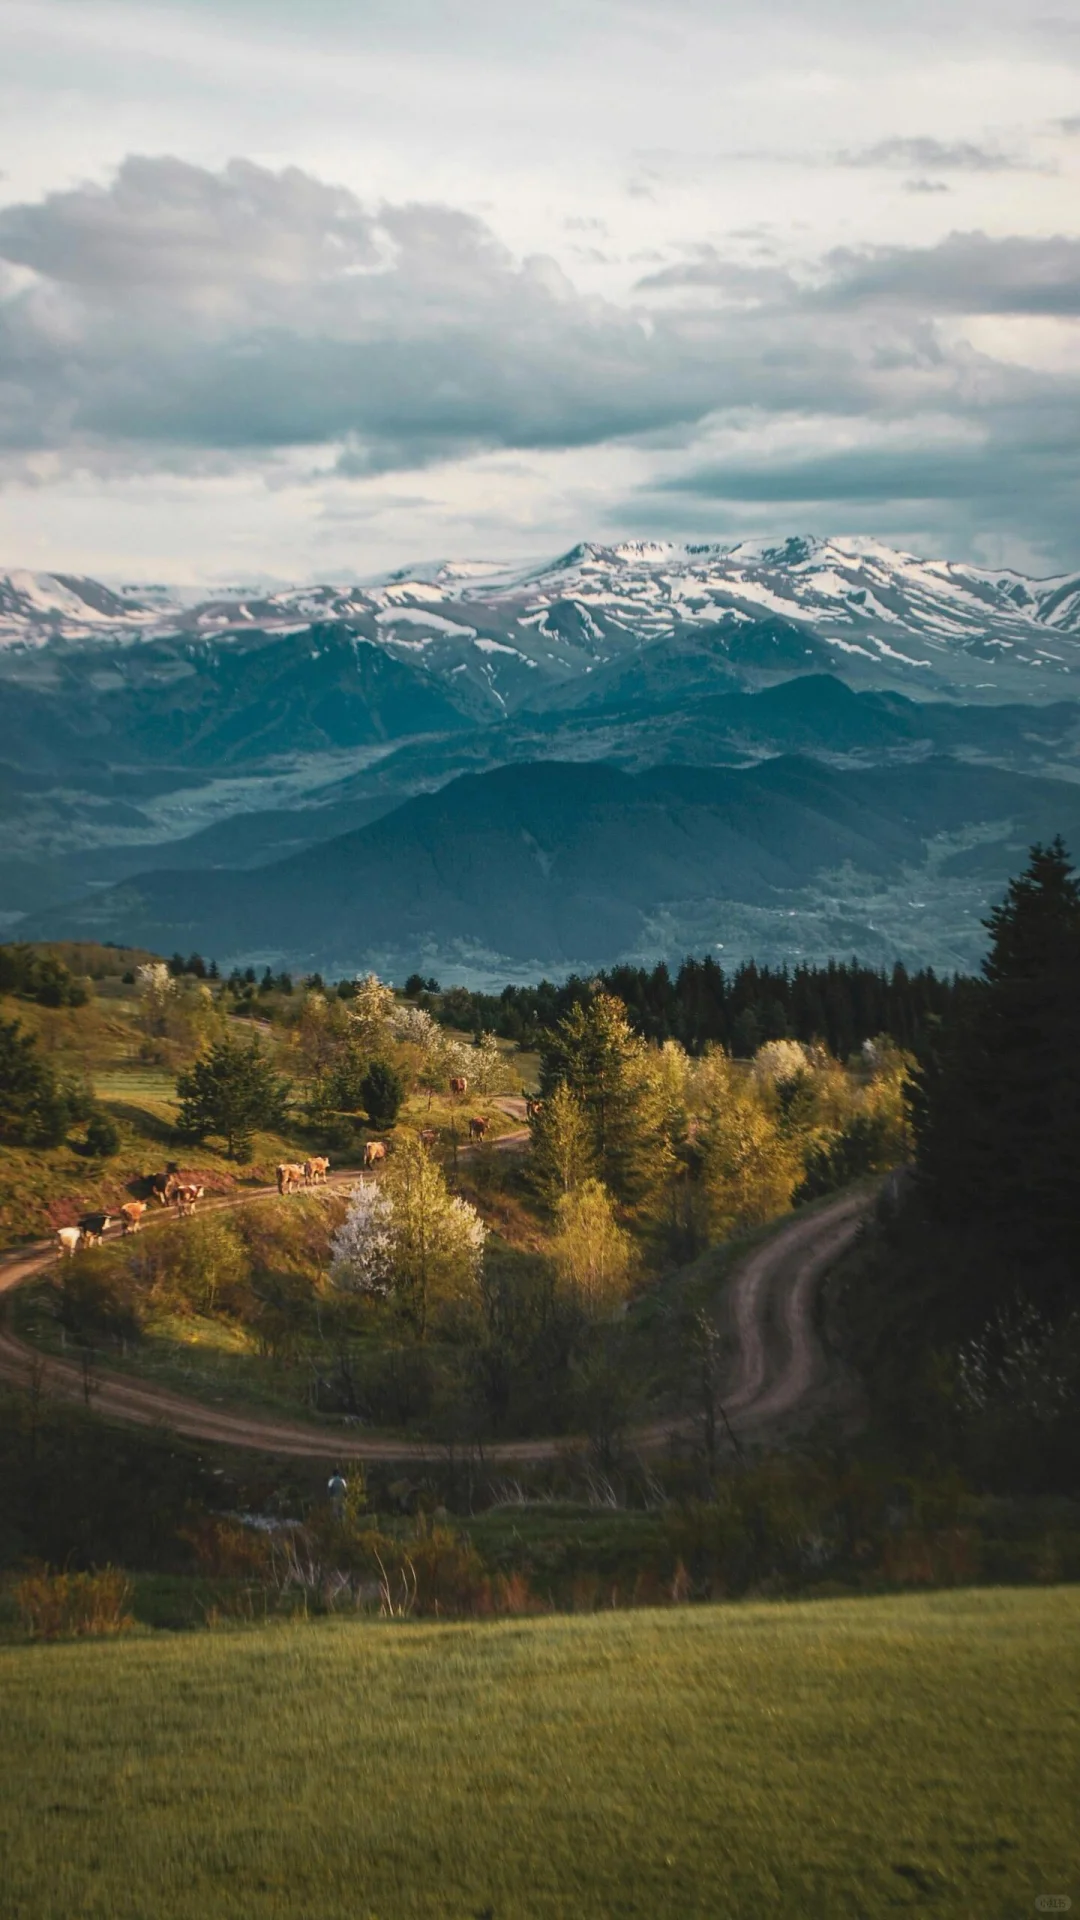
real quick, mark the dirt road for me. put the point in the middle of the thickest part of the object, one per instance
(780, 1376)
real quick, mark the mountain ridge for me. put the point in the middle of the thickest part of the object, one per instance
(551, 865)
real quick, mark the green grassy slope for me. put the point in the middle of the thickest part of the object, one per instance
(826, 1759)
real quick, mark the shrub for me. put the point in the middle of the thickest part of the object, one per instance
(99, 1297)
(54, 1605)
(102, 1134)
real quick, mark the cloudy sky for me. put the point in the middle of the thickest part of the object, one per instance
(308, 290)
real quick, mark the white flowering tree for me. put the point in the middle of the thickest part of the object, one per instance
(409, 1239)
(362, 1249)
(370, 1010)
(779, 1062)
(157, 992)
(486, 1068)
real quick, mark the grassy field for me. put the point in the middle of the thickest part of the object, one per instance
(824, 1759)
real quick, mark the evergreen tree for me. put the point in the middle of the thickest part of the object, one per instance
(595, 1052)
(102, 1134)
(231, 1092)
(382, 1091)
(997, 1108)
(33, 1110)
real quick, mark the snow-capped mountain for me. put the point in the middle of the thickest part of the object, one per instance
(872, 614)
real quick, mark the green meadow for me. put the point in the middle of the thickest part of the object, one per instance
(831, 1758)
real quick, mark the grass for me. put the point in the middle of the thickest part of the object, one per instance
(823, 1759)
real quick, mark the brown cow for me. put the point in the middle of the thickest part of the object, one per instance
(316, 1170)
(131, 1214)
(186, 1199)
(428, 1136)
(290, 1176)
(374, 1152)
(533, 1107)
(459, 1085)
(478, 1128)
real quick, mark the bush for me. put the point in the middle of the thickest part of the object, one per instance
(102, 1134)
(99, 1298)
(55, 1605)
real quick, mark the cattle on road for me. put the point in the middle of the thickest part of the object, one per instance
(93, 1226)
(374, 1152)
(478, 1127)
(68, 1239)
(131, 1214)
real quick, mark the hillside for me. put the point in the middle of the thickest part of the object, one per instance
(553, 865)
(830, 1758)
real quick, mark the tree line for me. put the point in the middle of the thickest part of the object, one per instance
(964, 1308)
(841, 1004)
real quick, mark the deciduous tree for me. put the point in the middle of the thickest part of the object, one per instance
(594, 1256)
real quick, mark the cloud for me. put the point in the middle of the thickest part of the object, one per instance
(185, 320)
(942, 156)
(965, 273)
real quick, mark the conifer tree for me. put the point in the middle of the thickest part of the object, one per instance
(595, 1052)
(997, 1108)
(230, 1092)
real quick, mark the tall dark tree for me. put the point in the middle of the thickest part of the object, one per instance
(997, 1109)
(382, 1091)
(33, 1109)
(231, 1092)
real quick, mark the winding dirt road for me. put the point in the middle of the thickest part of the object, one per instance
(781, 1376)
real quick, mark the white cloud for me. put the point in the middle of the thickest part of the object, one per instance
(409, 321)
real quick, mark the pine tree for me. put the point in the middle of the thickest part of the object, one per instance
(382, 1091)
(997, 1109)
(33, 1110)
(595, 1052)
(231, 1092)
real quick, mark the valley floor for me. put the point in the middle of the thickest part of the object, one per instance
(831, 1758)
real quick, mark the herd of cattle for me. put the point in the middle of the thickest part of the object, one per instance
(172, 1189)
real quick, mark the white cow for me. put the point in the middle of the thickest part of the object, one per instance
(67, 1239)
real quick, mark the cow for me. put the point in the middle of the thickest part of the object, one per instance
(163, 1185)
(93, 1226)
(290, 1176)
(478, 1128)
(68, 1239)
(131, 1214)
(316, 1170)
(459, 1085)
(186, 1199)
(374, 1152)
(532, 1107)
(428, 1136)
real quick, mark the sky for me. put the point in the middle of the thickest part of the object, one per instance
(312, 291)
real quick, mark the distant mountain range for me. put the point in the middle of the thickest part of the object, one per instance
(295, 734)
(548, 866)
(865, 610)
